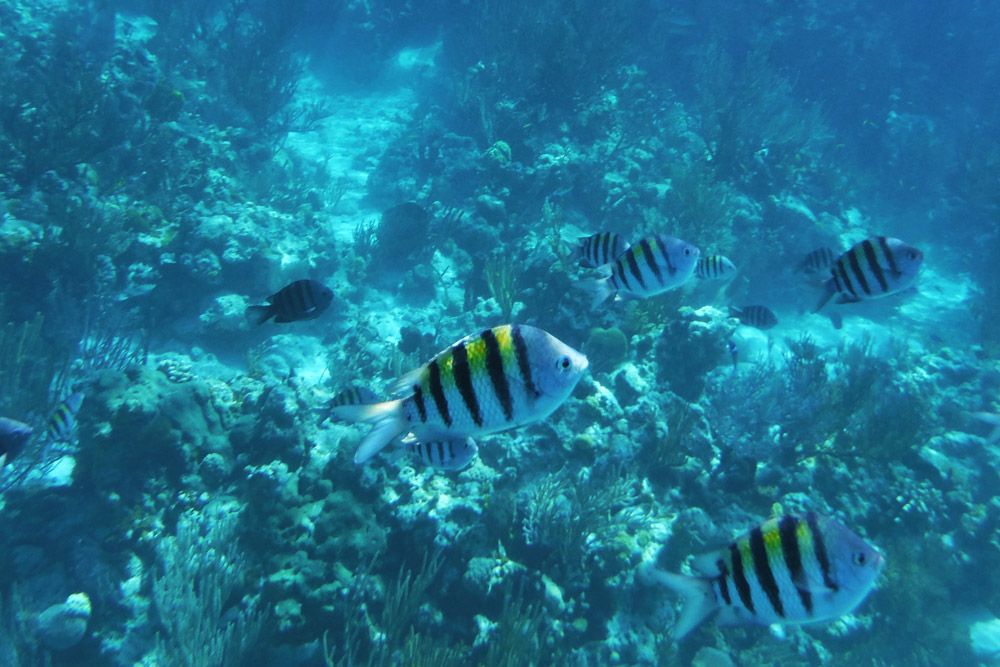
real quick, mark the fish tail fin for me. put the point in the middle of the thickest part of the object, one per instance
(599, 288)
(389, 421)
(263, 313)
(699, 599)
(828, 291)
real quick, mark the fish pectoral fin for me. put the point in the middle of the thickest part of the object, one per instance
(707, 564)
(814, 586)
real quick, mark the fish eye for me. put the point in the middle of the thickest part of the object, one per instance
(687, 252)
(859, 558)
(564, 363)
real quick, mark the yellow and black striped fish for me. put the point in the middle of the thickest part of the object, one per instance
(872, 268)
(816, 261)
(654, 265)
(715, 267)
(63, 420)
(600, 249)
(789, 569)
(354, 395)
(445, 454)
(491, 381)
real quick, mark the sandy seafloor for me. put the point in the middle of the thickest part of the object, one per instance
(204, 509)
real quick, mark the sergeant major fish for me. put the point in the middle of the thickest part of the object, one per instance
(787, 570)
(715, 267)
(63, 420)
(654, 265)
(494, 380)
(300, 300)
(756, 316)
(355, 395)
(444, 454)
(872, 268)
(600, 249)
(816, 261)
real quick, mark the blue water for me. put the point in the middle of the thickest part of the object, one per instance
(165, 166)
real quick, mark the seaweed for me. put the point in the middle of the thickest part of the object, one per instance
(401, 600)
(501, 277)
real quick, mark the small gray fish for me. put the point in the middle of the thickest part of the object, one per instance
(13, 436)
(654, 265)
(63, 420)
(816, 261)
(495, 380)
(787, 570)
(356, 395)
(300, 300)
(873, 268)
(715, 267)
(600, 249)
(756, 316)
(445, 454)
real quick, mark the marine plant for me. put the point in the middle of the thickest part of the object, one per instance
(501, 277)
(520, 634)
(201, 569)
(392, 631)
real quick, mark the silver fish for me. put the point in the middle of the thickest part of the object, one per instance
(787, 570)
(715, 267)
(445, 454)
(816, 261)
(495, 380)
(654, 265)
(872, 268)
(600, 249)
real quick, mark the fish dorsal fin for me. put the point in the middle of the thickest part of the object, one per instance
(707, 564)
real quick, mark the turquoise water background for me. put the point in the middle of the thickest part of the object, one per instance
(166, 165)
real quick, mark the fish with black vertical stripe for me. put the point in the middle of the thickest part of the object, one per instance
(789, 569)
(755, 315)
(873, 268)
(495, 380)
(445, 454)
(300, 300)
(602, 248)
(654, 265)
(816, 261)
(715, 267)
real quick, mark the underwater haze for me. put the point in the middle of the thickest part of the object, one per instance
(499, 333)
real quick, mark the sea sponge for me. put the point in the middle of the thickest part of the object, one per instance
(606, 349)
(499, 152)
(63, 625)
